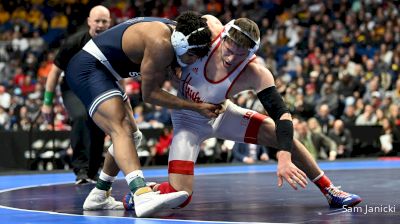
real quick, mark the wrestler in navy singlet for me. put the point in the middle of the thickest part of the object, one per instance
(94, 71)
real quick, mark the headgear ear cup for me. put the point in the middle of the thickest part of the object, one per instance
(179, 42)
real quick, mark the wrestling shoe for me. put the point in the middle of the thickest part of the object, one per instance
(340, 199)
(147, 202)
(127, 200)
(101, 200)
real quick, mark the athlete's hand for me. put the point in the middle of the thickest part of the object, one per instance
(286, 169)
(47, 112)
(209, 110)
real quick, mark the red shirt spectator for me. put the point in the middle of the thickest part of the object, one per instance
(163, 142)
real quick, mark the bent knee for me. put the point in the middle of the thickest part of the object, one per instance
(181, 175)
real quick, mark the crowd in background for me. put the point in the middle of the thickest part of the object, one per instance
(336, 63)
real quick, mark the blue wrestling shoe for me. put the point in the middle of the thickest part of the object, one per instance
(127, 201)
(340, 199)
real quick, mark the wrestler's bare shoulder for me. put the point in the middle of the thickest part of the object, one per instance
(141, 37)
(149, 31)
(214, 24)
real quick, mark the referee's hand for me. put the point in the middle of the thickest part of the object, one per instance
(47, 112)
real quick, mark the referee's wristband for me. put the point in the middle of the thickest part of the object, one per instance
(48, 98)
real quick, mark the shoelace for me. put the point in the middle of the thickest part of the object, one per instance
(335, 191)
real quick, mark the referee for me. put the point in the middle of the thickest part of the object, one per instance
(87, 140)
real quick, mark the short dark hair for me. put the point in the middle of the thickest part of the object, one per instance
(189, 21)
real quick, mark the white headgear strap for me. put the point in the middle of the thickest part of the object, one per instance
(231, 25)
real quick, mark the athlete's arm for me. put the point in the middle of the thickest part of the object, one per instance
(156, 60)
(51, 83)
(264, 85)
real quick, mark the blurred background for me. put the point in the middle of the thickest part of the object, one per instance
(335, 62)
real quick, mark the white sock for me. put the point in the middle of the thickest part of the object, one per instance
(105, 177)
(133, 175)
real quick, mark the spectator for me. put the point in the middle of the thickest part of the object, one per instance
(292, 63)
(319, 145)
(394, 114)
(395, 93)
(19, 77)
(311, 99)
(225, 154)
(359, 106)
(207, 151)
(389, 139)
(325, 118)
(347, 86)
(214, 7)
(4, 119)
(349, 116)
(249, 153)
(380, 116)
(375, 100)
(139, 117)
(23, 122)
(159, 117)
(4, 15)
(159, 151)
(132, 89)
(372, 90)
(45, 66)
(368, 117)
(386, 102)
(329, 100)
(37, 44)
(254, 103)
(19, 43)
(59, 21)
(5, 98)
(343, 139)
(122, 11)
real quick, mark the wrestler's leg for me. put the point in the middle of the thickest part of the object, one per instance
(112, 117)
(110, 166)
(183, 153)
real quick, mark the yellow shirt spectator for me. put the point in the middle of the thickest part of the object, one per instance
(59, 21)
(19, 13)
(41, 24)
(34, 16)
(4, 15)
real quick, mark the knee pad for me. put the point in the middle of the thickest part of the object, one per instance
(137, 138)
(181, 167)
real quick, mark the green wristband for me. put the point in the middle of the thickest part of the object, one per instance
(48, 98)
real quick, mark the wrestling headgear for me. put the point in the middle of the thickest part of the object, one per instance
(231, 25)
